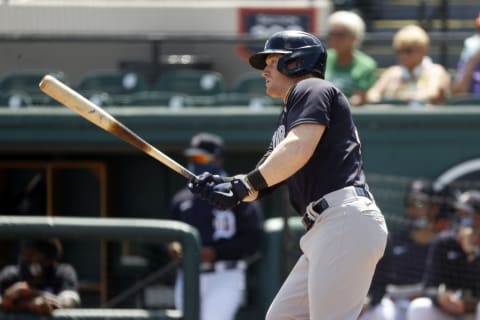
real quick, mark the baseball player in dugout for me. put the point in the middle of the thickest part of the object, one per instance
(315, 150)
(40, 283)
(452, 282)
(230, 237)
(399, 274)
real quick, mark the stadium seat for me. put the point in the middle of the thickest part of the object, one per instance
(15, 100)
(253, 101)
(250, 83)
(191, 82)
(248, 90)
(112, 82)
(172, 100)
(111, 87)
(26, 82)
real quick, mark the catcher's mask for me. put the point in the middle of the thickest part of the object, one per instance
(302, 53)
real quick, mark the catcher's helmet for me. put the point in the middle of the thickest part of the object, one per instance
(305, 50)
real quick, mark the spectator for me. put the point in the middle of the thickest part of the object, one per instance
(467, 77)
(452, 281)
(399, 274)
(350, 69)
(229, 237)
(39, 283)
(416, 80)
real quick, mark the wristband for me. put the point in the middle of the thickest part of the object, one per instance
(256, 180)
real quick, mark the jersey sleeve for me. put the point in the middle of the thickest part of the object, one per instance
(67, 277)
(311, 103)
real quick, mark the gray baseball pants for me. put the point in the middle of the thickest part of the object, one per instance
(340, 252)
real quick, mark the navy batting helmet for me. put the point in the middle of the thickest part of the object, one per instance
(306, 51)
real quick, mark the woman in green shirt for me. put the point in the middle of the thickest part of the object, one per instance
(350, 69)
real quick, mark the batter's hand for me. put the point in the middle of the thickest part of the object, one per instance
(202, 183)
(227, 195)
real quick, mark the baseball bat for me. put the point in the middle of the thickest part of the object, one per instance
(93, 113)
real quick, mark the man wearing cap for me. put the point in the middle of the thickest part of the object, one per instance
(452, 282)
(229, 237)
(399, 274)
(40, 283)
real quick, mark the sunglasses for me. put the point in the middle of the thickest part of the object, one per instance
(201, 158)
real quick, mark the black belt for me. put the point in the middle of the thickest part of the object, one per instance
(321, 205)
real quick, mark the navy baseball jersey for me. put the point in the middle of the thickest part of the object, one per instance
(448, 264)
(403, 263)
(59, 278)
(336, 162)
(234, 233)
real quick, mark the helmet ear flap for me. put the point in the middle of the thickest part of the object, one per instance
(289, 65)
(302, 61)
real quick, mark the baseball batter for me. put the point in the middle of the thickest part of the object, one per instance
(315, 150)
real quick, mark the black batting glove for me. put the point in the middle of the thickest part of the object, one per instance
(227, 195)
(202, 183)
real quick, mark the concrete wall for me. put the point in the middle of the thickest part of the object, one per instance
(136, 17)
(54, 34)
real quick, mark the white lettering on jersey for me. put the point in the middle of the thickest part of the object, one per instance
(224, 224)
(358, 140)
(278, 136)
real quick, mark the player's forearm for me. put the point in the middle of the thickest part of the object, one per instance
(292, 153)
(283, 163)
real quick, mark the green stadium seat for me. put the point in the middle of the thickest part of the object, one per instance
(15, 100)
(26, 82)
(250, 83)
(248, 90)
(111, 87)
(253, 101)
(112, 82)
(104, 99)
(191, 82)
(172, 100)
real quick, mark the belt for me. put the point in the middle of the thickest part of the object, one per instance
(334, 198)
(222, 266)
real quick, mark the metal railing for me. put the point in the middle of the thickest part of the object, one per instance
(158, 231)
